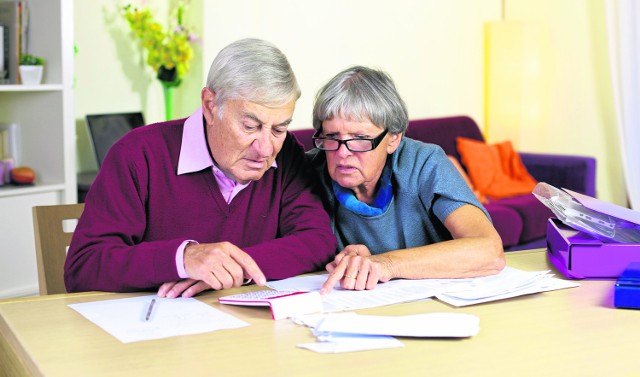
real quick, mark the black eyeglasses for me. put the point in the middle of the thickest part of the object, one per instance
(354, 145)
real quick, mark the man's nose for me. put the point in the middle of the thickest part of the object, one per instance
(264, 143)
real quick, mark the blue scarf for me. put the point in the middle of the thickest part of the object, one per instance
(380, 203)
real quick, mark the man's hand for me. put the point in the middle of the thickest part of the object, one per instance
(213, 266)
(184, 288)
(221, 265)
(355, 268)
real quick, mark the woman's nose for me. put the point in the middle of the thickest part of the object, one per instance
(343, 150)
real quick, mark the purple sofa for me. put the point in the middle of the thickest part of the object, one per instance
(521, 220)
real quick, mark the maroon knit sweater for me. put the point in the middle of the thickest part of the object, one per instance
(139, 210)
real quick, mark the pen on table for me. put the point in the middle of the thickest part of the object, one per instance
(150, 310)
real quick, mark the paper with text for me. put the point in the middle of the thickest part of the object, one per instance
(283, 304)
(510, 282)
(542, 284)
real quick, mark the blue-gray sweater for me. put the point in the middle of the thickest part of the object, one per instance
(426, 189)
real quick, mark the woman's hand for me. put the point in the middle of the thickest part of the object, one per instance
(350, 250)
(355, 268)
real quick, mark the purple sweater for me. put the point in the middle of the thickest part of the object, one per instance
(139, 210)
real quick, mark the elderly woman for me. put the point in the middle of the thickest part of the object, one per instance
(399, 208)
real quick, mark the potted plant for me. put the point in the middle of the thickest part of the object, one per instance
(168, 50)
(31, 68)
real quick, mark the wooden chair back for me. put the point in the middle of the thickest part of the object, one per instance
(51, 244)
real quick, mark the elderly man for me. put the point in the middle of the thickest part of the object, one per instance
(208, 201)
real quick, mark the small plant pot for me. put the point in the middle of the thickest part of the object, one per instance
(31, 74)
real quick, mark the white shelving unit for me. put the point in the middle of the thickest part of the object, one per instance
(45, 117)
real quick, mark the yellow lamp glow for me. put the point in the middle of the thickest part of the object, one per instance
(512, 80)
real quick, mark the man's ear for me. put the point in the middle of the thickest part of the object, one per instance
(394, 142)
(208, 99)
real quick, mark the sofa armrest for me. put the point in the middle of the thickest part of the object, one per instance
(577, 173)
(304, 137)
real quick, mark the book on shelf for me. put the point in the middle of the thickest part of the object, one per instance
(10, 142)
(4, 53)
(9, 18)
(6, 166)
(14, 28)
(23, 35)
(3, 144)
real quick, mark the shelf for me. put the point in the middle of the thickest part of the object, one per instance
(13, 190)
(47, 135)
(31, 88)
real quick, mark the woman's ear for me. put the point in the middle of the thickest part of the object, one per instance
(394, 142)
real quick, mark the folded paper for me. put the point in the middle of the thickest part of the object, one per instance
(283, 304)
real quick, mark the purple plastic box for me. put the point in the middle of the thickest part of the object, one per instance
(577, 255)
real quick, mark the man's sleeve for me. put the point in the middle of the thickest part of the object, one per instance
(107, 251)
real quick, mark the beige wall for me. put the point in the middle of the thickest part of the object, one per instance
(111, 75)
(432, 48)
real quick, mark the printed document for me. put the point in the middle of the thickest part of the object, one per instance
(510, 282)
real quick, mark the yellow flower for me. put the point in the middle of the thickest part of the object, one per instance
(166, 49)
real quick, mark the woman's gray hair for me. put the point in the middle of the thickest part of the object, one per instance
(362, 94)
(252, 70)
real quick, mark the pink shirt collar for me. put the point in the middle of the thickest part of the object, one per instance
(194, 156)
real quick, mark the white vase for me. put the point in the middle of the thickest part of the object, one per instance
(31, 74)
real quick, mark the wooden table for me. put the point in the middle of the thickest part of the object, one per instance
(571, 332)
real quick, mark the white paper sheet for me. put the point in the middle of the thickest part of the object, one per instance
(546, 283)
(339, 343)
(125, 318)
(351, 343)
(510, 282)
(393, 292)
(438, 325)
(349, 332)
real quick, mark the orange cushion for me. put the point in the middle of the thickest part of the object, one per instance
(482, 198)
(496, 170)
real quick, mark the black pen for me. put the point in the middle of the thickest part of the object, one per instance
(150, 310)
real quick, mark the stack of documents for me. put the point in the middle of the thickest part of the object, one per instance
(150, 317)
(510, 282)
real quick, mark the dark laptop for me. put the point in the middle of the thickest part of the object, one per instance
(105, 129)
